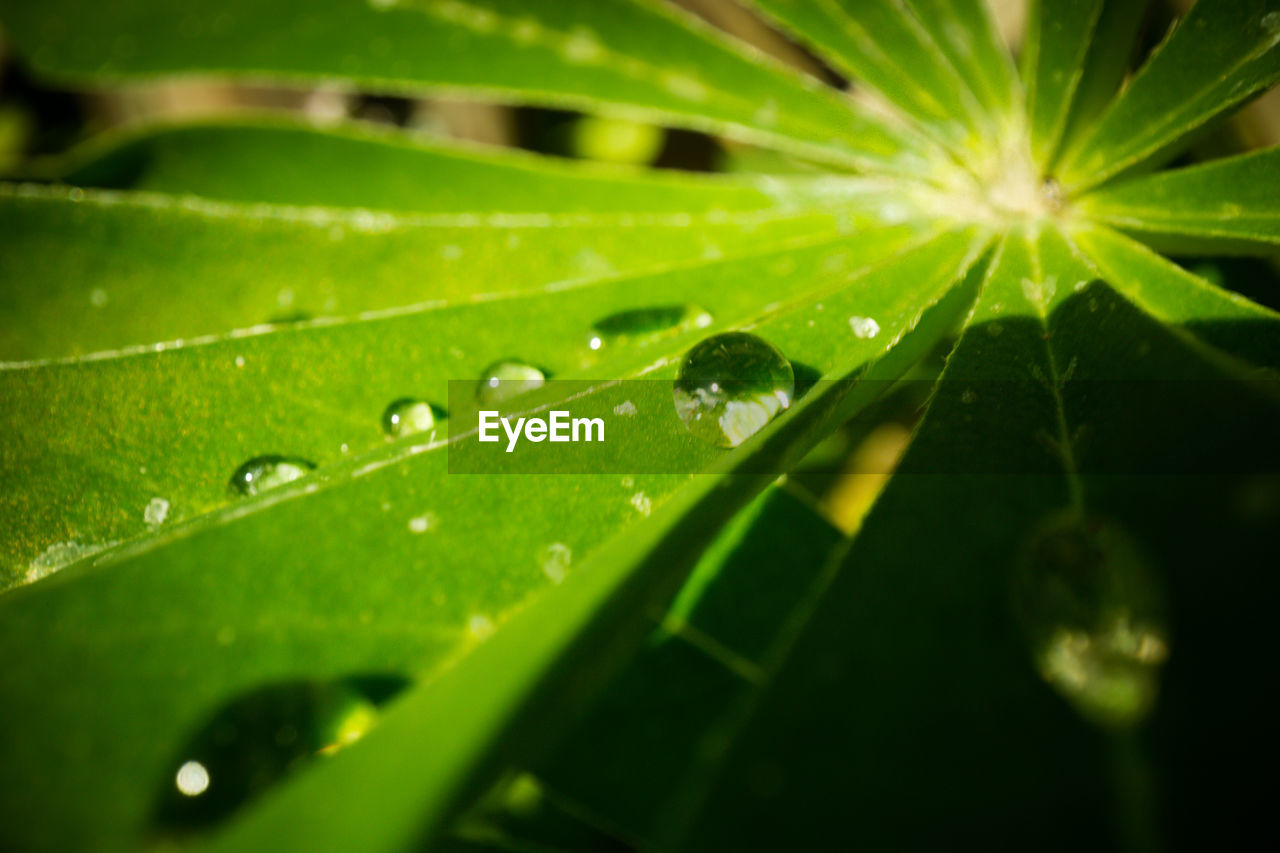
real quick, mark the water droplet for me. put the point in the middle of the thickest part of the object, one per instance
(506, 379)
(192, 779)
(864, 327)
(480, 627)
(1093, 612)
(408, 417)
(423, 523)
(253, 742)
(625, 409)
(59, 556)
(98, 297)
(646, 323)
(730, 386)
(239, 361)
(156, 512)
(642, 503)
(267, 472)
(555, 560)
(969, 396)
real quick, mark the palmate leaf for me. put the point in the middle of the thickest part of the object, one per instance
(910, 690)
(408, 480)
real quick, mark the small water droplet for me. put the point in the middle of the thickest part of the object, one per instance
(267, 472)
(625, 409)
(59, 556)
(653, 322)
(156, 512)
(730, 386)
(969, 396)
(192, 779)
(254, 741)
(239, 361)
(642, 503)
(98, 297)
(864, 327)
(407, 416)
(555, 560)
(480, 627)
(1093, 612)
(423, 523)
(504, 380)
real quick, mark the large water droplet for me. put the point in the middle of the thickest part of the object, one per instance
(506, 379)
(730, 386)
(267, 472)
(1093, 612)
(408, 417)
(646, 323)
(247, 746)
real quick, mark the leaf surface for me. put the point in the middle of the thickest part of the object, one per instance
(1220, 207)
(1220, 55)
(645, 60)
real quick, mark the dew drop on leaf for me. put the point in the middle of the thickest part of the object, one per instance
(1093, 612)
(408, 417)
(156, 512)
(646, 323)
(246, 747)
(555, 560)
(730, 386)
(506, 379)
(864, 327)
(267, 472)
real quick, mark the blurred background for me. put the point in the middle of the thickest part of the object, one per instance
(37, 121)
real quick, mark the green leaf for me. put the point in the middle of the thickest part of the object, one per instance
(105, 261)
(274, 574)
(445, 741)
(215, 404)
(883, 43)
(1109, 58)
(285, 162)
(1214, 208)
(1220, 55)
(638, 59)
(916, 667)
(1059, 36)
(1215, 319)
(640, 758)
(965, 32)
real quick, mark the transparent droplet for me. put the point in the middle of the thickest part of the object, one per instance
(57, 557)
(1094, 614)
(555, 560)
(506, 379)
(408, 417)
(156, 512)
(249, 745)
(653, 322)
(267, 472)
(730, 386)
(864, 327)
